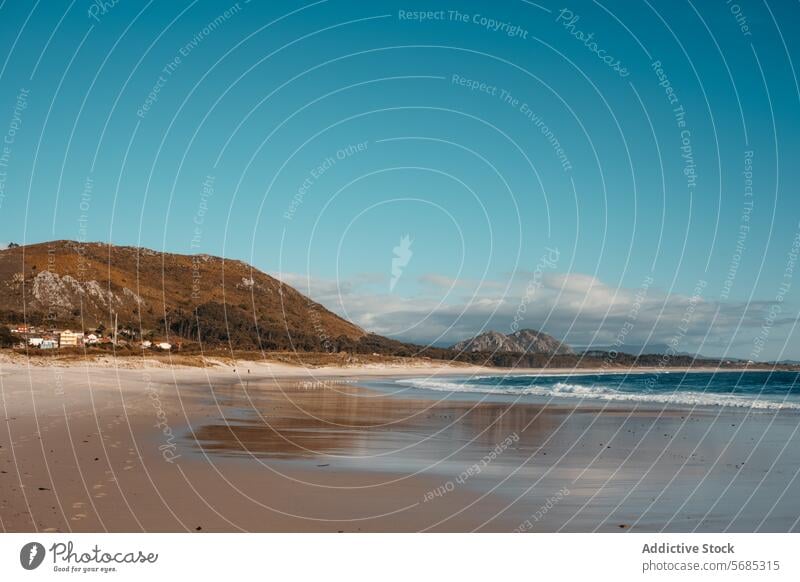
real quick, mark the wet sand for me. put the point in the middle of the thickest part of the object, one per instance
(177, 449)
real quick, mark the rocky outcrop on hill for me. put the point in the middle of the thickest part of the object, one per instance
(524, 341)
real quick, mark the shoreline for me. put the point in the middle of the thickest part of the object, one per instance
(176, 449)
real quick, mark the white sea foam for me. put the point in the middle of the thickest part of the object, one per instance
(597, 392)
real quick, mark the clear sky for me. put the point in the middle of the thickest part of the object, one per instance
(605, 171)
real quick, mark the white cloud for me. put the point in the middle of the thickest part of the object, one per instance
(444, 282)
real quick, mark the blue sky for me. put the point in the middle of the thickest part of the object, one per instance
(309, 138)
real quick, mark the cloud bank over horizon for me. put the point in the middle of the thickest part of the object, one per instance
(577, 308)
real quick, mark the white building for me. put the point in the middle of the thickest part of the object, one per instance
(165, 346)
(70, 339)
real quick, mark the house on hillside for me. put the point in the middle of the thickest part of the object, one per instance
(70, 339)
(165, 346)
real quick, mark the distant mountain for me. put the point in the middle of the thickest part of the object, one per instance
(525, 341)
(196, 297)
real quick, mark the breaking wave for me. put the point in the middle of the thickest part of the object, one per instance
(607, 393)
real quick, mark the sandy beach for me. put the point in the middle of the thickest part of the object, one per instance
(272, 447)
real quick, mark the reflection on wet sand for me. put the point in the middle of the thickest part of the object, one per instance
(291, 421)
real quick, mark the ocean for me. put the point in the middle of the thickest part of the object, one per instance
(759, 390)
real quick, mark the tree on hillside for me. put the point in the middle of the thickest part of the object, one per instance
(8, 339)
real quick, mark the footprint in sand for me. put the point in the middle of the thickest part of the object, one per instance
(78, 516)
(78, 504)
(97, 486)
(99, 495)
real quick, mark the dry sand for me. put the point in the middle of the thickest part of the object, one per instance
(270, 447)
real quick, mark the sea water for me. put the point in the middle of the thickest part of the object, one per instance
(744, 389)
